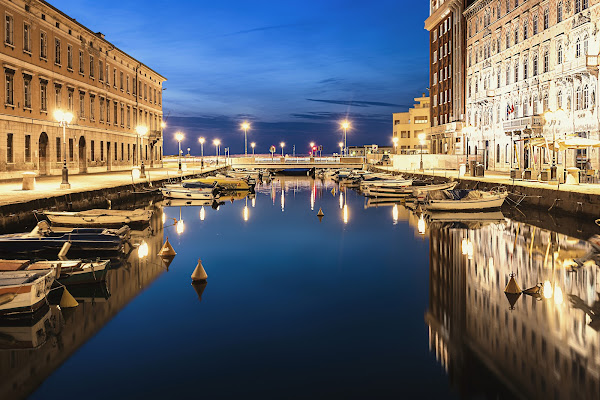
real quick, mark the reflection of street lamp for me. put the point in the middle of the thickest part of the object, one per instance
(395, 140)
(217, 143)
(341, 144)
(345, 125)
(201, 140)
(554, 118)
(64, 118)
(421, 142)
(282, 144)
(245, 127)
(141, 131)
(421, 225)
(253, 145)
(179, 137)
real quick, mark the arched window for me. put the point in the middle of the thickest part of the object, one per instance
(525, 29)
(535, 24)
(545, 104)
(559, 54)
(516, 72)
(546, 18)
(546, 61)
(578, 48)
(525, 67)
(559, 12)
(586, 93)
(585, 45)
(535, 65)
(578, 102)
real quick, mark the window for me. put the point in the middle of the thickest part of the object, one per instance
(559, 12)
(546, 61)
(71, 149)
(81, 105)
(115, 109)
(498, 73)
(559, 54)
(559, 99)
(122, 151)
(578, 48)
(585, 46)
(91, 66)
(586, 93)
(107, 75)
(115, 78)
(27, 38)
(121, 80)
(44, 96)
(57, 51)
(507, 78)
(140, 91)
(115, 148)
(92, 108)
(122, 116)
(577, 6)
(516, 72)
(127, 83)
(27, 91)
(516, 34)
(100, 71)
(27, 148)
(128, 151)
(43, 45)
(92, 151)
(9, 30)
(128, 117)
(101, 150)
(107, 111)
(535, 24)
(546, 18)
(507, 39)
(58, 149)
(525, 29)
(81, 70)
(535, 65)
(584, 4)
(9, 148)
(10, 84)
(578, 102)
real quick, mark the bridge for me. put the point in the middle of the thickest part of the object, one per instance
(283, 163)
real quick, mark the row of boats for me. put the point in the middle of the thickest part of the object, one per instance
(442, 196)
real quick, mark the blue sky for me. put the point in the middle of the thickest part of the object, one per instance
(293, 69)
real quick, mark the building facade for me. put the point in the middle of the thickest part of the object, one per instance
(409, 125)
(525, 58)
(51, 62)
(446, 26)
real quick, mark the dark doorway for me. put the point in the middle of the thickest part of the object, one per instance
(108, 157)
(82, 156)
(43, 154)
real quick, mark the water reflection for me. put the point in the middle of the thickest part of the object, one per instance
(533, 346)
(52, 335)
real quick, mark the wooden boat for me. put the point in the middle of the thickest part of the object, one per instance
(45, 239)
(28, 331)
(390, 183)
(457, 216)
(401, 191)
(464, 200)
(24, 291)
(244, 173)
(68, 272)
(188, 193)
(223, 182)
(99, 217)
(191, 202)
(534, 291)
(420, 192)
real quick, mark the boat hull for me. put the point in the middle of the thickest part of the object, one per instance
(187, 194)
(98, 217)
(466, 204)
(24, 297)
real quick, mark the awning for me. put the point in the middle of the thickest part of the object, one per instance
(566, 144)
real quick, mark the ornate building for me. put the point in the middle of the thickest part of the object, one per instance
(49, 62)
(446, 26)
(525, 58)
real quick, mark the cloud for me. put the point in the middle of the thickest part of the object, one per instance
(358, 103)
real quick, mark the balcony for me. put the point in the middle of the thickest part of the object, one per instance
(531, 125)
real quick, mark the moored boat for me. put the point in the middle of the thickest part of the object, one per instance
(99, 217)
(180, 192)
(24, 291)
(223, 182)
(464, 200)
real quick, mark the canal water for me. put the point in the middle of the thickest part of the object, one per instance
(371, 301)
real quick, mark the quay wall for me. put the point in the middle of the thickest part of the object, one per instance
(552, 199)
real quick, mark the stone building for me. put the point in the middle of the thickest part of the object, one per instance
(408, 125)
(525, 58)
(446, 26)
(49, 62)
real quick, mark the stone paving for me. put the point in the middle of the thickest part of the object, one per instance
(504, 179)
(49, 186)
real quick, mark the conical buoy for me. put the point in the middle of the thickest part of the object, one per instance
(167, 249)
(67, 301)
(167, 260)
(320, 213)
(512, 299)
(199, 288)
(199, 273)
(512, 287)
(320, 218)
(333, 191)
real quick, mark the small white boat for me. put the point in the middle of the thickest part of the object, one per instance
(99, 217)
(401, 191)
(420, 192)
(390, 183)
(494, 216)
(188, 194)
(24, 291)
(464, 200)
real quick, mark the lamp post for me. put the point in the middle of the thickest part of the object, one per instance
(282, 144)
(217, 143)
(179, 137)
(421, 143)
(312, 144)
(141, 131)
(345, 125)
(253, 145)
(245, 126)
(64, 118)
(468, 130)
(395, 140)
(201, 140)
(554, 117)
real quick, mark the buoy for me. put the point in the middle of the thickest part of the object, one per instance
(62, 254)
(512, 287)
(333, 191)
(320, 213)
(167, 260)
(199, 288)
(199, 273)
(512, 299)
(67, 301)
(167, 249)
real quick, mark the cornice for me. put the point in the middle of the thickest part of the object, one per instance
(441, 12)
(475, 7)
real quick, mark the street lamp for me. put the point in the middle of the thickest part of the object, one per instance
(554, 117)
(312, 144)
(179, 137)
(217, 143)
(141, 131)
(201, 140)
(253, 145)
(345, 125)
(64, 118)
(421, 142)
(282, 144)
(395, 140)
(245, 126)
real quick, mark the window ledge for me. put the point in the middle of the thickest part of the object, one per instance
(12, 46)
(45, 59)
(44, 112)
(28, 52)
(9, 105)
(27, 109)
(81, 73)
(58, 64)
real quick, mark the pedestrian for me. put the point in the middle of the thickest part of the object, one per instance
(588, 164)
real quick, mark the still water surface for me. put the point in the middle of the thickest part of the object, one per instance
(368, 303)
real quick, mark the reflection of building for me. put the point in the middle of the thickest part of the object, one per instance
(446, 26)
(49, 62)
(408, 125)
(23, 371)
(542, 348)
(525, 58)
